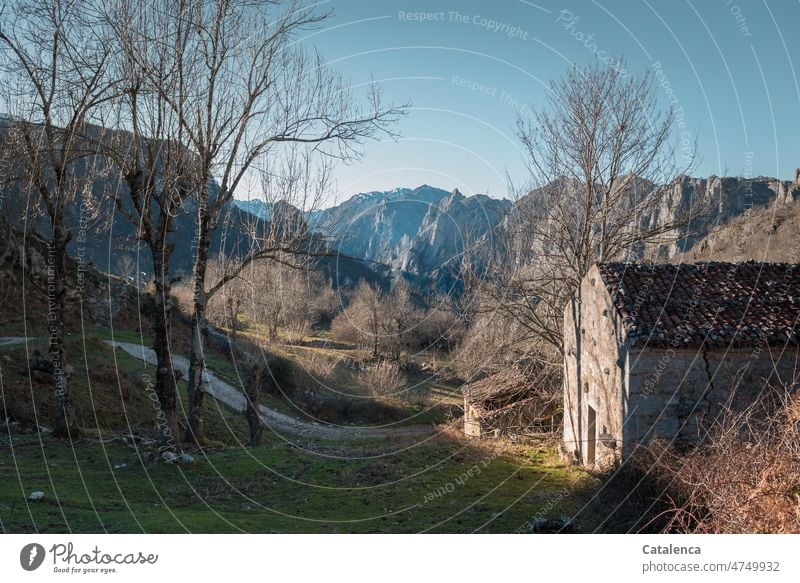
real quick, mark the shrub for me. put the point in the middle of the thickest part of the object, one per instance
(297, 331)
(320, 366)
(744, 479)
(383, 379)
(183, 298)
(343, 329)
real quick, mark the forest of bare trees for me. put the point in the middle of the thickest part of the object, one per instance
(183, 102)
(392, 324)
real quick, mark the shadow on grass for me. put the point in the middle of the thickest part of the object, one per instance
(630, 497)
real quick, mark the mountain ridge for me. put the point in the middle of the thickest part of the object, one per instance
(429, 233)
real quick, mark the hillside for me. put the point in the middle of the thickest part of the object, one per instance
(765, 233)
(106, 240)
(111, 480)
(719, 201)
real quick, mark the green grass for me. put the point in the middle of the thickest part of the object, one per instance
(105, 390)
(441, 484)
(222, 367)
(118, 334)
(279, 487)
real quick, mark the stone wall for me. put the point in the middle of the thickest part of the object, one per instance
(677, 394)
(595, 354)
(640, 393)
(472, 426)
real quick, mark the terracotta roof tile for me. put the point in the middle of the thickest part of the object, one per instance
(712, 304)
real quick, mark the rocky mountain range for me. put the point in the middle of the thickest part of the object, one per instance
(723, 200)
(427, 233)
(424, 233)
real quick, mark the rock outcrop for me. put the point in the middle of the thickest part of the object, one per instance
(712, 202)
(425, 231)
(429, 233)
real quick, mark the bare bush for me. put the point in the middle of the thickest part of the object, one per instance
(182, 297)
(320, 366)
(382, 380)
(365, 316)
(344, 329)
(744, 479)
(498, 338)
(297, 330)
(440, 328)
(392, 325)
(399, 320)
(327, 303)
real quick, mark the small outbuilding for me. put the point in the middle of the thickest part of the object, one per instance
(662, 350)
(509, 402)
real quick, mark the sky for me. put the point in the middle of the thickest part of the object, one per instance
(469, 68)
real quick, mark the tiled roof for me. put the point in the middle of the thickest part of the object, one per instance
(716, 305)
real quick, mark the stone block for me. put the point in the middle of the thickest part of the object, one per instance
(650, 405)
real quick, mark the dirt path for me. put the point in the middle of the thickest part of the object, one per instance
(280, 422)
(10, 340)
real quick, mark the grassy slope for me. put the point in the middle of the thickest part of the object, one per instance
(106, 390)
(424, 400)
(374, 486)
(279, 487)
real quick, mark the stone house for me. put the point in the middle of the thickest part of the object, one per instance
(662, 350)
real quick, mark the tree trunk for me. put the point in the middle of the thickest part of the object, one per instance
(252, 413)
(577, 326)
(375, 334)
(165, 388)
(66, 424)
(196, 392)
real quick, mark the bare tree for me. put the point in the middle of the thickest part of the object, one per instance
(602, 158)
(248, 87)
(54, 62)
(158, 172)
(399, 319)
(265, 293)
(364, 315)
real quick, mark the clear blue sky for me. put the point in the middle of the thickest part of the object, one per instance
(733, 67)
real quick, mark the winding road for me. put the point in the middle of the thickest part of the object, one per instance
(275, 420)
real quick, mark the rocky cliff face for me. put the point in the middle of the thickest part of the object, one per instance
(713, 202)
(763, 232)
(424, 231)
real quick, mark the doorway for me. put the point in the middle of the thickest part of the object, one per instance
(591, 436)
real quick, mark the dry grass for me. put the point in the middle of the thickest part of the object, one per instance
(745, 479)
(742, 479)
(296, 332)
(319, 366)
(767, 233)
